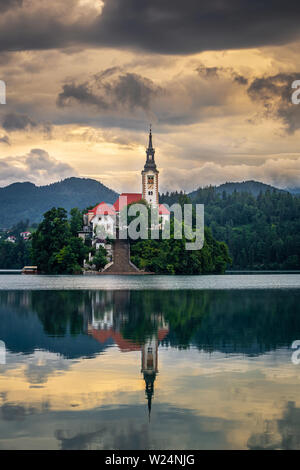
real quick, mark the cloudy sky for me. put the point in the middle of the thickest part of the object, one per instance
(86, 77)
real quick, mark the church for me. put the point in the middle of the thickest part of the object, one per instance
(103, 217)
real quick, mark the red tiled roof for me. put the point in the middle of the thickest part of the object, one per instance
(101, 335)
(162, 333)
(131, 197)
(103, 209)
(163, 210)
(123, 344)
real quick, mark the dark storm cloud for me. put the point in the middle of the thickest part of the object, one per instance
(13, 412)
(128, 90)
(5, 140)
(186, 99)
(107, 73)
(8, 4)
(80, 93)
(16, 122)
(169, 26)
(22, 122)
(132, 90)
(285, 435)
(177, 27)
(208, 72)
(240, 79)
(133, 433)
(123, 99)
(218, 72)
(274, 94)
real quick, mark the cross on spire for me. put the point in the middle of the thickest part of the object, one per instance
(150, 146)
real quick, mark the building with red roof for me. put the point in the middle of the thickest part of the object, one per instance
(103, 209)
(25, 235)
(102, 220)
(99, 222)
(125, 199)
(124, 345)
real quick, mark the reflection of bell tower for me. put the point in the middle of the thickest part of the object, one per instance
(149, 367)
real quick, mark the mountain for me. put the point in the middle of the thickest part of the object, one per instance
(293, 190)
(251, 187)
(21, 201)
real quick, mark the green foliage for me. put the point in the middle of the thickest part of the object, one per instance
(144, 220)
(14, 255)
(100, 259)
(54, 249)
(261, 232)
(172, 257)
(76, 221)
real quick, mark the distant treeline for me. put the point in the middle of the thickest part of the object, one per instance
(261, 232)
(15, 255)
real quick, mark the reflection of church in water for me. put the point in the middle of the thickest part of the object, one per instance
(109, 312)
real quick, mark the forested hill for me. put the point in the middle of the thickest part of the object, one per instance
(261, 232)
(294, 190)
(25, 201)
(251, 187)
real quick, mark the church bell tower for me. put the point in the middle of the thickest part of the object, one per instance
(150, 176)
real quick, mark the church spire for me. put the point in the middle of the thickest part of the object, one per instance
(150, 152)
(150, 147)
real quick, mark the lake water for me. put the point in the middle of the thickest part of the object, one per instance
(149, 362)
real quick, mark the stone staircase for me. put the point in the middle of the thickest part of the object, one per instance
(121, 259)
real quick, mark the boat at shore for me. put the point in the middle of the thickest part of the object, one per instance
(29, 270)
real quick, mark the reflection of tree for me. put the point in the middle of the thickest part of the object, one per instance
(148, 309)
(19, 300)
(58, 311)
(247, 321)
(184, 311)
(280, 434)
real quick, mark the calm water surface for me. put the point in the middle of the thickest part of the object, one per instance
(155, 362)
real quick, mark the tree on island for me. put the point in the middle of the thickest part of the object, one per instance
(100, 258)
(55, 249)
(14, 255)
(262, 232)
(170, 256)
